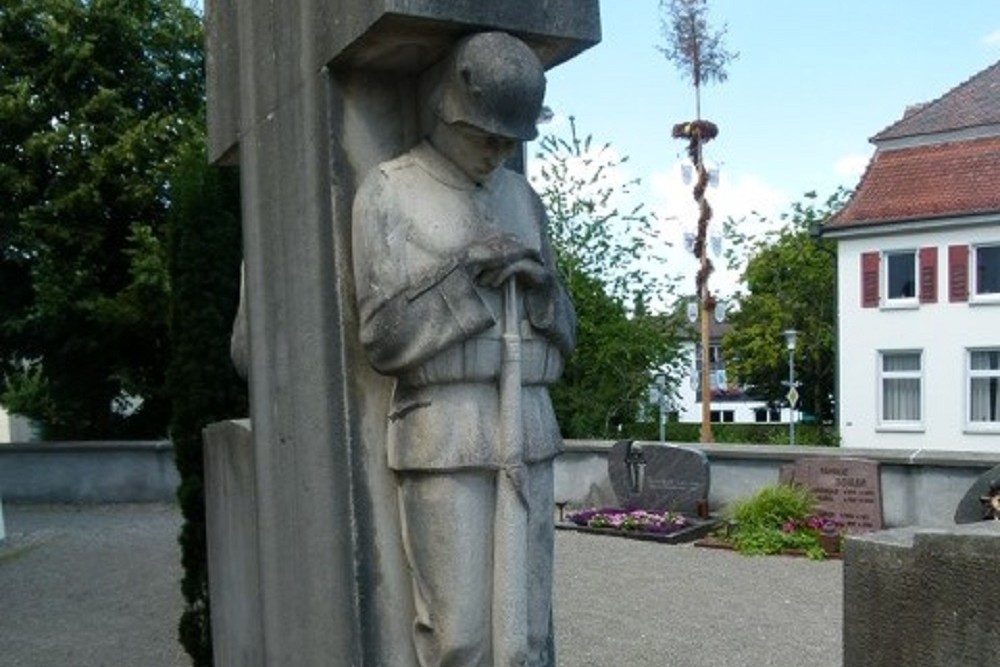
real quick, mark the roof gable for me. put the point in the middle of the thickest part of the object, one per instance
(925, 182)
(972, 103)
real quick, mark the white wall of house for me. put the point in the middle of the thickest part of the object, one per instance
(14, 428)
(688, 407)
(4, 426)
(942, 332)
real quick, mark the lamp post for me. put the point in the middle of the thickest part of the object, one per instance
(661, 399)
(791, 336)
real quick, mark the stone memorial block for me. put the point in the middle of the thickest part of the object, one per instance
(976, 505)
(663, 477)
(307, 97)
(846, 490)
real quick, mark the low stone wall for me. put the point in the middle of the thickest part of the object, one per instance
(918, 487)
(88, 472)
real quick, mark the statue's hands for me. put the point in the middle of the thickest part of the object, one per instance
(528, 272)
(493, 260)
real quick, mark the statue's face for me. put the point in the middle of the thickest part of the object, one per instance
(477, 153)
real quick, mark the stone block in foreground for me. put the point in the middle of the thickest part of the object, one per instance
(923, 597)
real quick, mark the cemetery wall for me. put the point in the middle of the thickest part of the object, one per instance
(88, 472)
(918, 488)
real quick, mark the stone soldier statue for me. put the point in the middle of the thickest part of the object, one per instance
(440, 235)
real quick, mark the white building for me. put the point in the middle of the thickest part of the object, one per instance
(729, 402)
(919, 280)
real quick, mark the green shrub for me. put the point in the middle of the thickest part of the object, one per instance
(819, 435)
(777, 519)
(205, 256)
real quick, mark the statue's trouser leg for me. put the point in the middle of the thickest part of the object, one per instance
(447, 521)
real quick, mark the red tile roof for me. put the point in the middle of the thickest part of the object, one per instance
(934, 174)
(973, 103)
(940, 180)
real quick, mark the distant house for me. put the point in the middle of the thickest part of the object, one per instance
(730, 402)
(919, 279)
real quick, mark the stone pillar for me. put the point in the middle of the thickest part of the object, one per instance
(306, 96)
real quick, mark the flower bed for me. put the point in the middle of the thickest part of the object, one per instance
(639, 524)
(649, 521)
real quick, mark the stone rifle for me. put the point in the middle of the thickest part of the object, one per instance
(510, 521)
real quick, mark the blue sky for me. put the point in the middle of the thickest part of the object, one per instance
(814, 80)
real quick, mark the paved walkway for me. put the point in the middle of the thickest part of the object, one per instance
(97, 587)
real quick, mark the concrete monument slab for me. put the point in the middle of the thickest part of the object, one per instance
(310, 96)
(846, 490)
(922, 596)
(663, 477)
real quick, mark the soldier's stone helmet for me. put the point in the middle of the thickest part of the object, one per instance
(494, 82)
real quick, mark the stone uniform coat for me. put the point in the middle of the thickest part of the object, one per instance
(426, 322)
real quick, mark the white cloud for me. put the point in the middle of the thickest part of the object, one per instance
(738, 196)
(851, 166)
(992, 39)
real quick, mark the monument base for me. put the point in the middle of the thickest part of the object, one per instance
(233, 565)
(922, 596)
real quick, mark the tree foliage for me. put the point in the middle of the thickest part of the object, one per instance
(790, 279)
(95, 99)
(204, 244)
(604, 253)
(695, 49)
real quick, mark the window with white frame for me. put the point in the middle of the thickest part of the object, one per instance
(901, 382)
(984, 387)
(900, 275)
(986, 269)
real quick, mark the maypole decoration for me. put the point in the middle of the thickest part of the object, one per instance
(698, 132)
(700, 56)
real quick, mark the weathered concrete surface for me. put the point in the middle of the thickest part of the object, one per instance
(231, 521)
(923, 597)
(387, 35)
(88, 472)
(303, 129)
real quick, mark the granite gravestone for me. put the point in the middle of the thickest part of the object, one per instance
(978, 502)
(662, 477)
(308, 96)
(846, 490)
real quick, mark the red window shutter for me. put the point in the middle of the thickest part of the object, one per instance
(869, 279)
(958, 273)
(928, 275)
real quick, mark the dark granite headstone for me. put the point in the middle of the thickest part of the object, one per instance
(846, 490)
(659, 477)
(972, 508)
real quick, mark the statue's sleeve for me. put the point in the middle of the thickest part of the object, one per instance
(406, 316)
(550, 309)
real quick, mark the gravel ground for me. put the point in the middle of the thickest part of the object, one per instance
(90, 587)
(97, 587)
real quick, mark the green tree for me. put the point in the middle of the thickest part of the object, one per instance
(95, 99)
(204, 244)
(604, 252)
(790, 279)
(695, 49)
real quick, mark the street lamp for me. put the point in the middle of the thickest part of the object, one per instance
(791, 337)
(659, 388)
